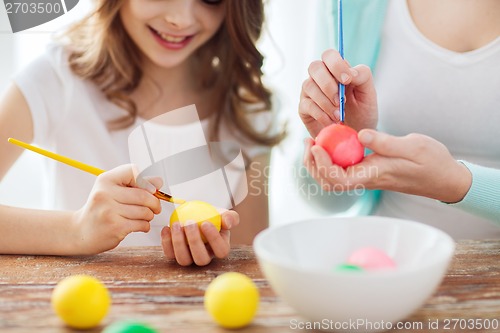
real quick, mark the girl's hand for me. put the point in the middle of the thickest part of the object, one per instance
(414, 164)
(115, 208)
(184, 244)
(319, 99)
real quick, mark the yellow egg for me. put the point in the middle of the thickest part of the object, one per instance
(196, 212)
(232, 299)
(81, 301)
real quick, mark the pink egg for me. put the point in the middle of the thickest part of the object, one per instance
(371, 258)
(342, 144)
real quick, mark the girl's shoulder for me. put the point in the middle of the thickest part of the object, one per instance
(55, 95)
(50, 67)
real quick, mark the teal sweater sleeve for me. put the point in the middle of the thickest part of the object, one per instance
(483, 198)
(363, 21)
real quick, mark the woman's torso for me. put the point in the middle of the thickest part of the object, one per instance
(451, 96)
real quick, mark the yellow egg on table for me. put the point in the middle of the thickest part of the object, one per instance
(81, 301)
(196, 212)
(232, 299)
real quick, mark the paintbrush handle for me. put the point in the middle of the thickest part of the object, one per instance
(341, 52)
(82, 166)
(63, 159)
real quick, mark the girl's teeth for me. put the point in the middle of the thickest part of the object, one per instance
(171, 39)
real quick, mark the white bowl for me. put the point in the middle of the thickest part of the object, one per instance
(299, 261)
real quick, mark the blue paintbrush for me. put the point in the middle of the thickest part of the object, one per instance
(341, 51)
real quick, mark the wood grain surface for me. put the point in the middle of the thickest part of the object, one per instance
(146, 287)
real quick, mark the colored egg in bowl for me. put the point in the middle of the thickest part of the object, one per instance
(309, 265)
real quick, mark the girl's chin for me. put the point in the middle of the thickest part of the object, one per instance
(162, 63)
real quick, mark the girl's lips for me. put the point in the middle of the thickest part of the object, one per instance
(169, 41)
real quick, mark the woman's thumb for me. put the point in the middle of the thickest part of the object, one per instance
(382, 143)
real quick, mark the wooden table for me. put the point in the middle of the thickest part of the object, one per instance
(144, 286)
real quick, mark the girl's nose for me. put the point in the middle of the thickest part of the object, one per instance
(180, 14)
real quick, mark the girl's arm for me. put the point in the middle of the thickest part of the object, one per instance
(114, 208)
(15, 122)
(28, 231)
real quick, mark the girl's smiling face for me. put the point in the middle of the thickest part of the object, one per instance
(168, 32)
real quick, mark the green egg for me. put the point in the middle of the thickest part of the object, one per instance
(129, 327)
(348, 268)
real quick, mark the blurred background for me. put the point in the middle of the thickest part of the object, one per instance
(294, 36)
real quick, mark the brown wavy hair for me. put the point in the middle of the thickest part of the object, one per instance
(101, 51)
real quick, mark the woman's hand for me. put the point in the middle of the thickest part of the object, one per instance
(115, 208)
(184, 244)
(414, 164)
(319, 99)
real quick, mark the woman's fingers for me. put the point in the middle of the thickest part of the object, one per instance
(331, 176)
(309, 109)
(338, 67)
(310, 89)
(325, 83)
(308, 158)
(392, 146)
(322, 166)
(363, 75)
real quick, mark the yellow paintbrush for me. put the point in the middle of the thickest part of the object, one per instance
(82, 166)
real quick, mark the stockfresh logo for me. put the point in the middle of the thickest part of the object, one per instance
(31, 13)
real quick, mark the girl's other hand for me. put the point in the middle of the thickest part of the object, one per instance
(319, 100)
(115, 208)
(184, 244)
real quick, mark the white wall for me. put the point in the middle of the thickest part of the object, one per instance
(299, 31)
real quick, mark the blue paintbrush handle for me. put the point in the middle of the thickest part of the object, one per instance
(341, 51)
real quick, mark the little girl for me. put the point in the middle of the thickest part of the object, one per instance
(127, 62)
